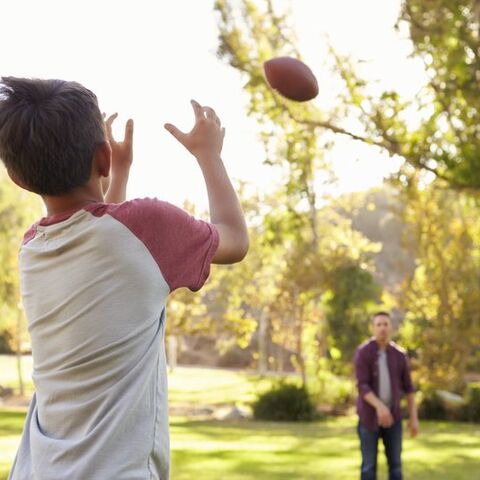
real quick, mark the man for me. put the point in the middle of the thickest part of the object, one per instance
(383, 376)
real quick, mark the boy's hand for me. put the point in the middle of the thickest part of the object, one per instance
(122, 152)
(115, 186)
(205, 140)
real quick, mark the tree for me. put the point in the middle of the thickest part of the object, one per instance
(442, 299)
(18, 210)
(352, 299)
(315, 243)
(237, 297)
(444, 139)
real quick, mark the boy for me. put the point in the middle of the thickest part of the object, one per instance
(95, 275)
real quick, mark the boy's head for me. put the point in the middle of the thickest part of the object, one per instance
(49, 131)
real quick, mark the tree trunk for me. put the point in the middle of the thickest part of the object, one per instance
(298, 322)
(19, 352)
(262, 343)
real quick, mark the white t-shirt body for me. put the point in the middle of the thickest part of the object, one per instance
(94, 285)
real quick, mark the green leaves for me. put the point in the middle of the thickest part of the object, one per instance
(18, 210)
(442, 300)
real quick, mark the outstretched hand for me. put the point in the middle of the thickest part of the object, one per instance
(205, 140)
(122, 152)
(115, 186)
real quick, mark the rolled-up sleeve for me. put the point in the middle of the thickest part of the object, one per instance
(406, 377)
(362, 372)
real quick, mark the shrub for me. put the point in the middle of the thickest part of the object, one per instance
(442, 405)
(432, 407)
(472, 405)
(6, 341)
(284, 402)
(328, 389)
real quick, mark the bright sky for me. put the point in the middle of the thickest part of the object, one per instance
(146, 59)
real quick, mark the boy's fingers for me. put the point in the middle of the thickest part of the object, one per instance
(197, 110)
(128, 138)
(108, 124)
(210, 113)
(178, 134)
(111, 118)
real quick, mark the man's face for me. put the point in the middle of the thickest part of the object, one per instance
(382, 328)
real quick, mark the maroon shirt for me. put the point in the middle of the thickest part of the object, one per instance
(366, 371)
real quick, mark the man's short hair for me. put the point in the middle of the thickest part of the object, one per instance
(49, 130)
(381, 314)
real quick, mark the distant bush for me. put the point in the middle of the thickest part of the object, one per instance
(6, 340)
(328, 389)
(432, 407)
(472, 402)
(442, 405)
(284, 402)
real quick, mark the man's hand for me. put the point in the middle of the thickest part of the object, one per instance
(205, 140)
(385, 418)
(122, 157)
(413, 426)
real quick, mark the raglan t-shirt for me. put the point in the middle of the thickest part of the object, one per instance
(94, 283)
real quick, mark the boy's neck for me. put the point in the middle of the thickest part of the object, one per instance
(71, 201)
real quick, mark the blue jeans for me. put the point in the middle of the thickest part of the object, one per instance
(392, 440)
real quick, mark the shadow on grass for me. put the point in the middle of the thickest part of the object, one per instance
(455, 468)
(311, 430)
(249, 464)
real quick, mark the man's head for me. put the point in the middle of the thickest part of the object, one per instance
(382, 327)
(49, 132)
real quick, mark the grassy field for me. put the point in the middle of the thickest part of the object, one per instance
(247, 450)
(329, 449)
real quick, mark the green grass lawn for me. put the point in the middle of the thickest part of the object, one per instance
(321, 450)
(212, 450)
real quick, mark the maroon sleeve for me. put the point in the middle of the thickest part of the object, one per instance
(406, 376)
(362, 372)
(182, 246)
(30, 233)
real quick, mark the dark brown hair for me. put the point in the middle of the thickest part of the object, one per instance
(381, 314)
(49, 130)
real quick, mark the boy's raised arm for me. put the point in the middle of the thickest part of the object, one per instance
(205, 143)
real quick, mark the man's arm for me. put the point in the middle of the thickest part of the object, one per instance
(205, 143)
(412, 414)
(413, 424)
(384, 416)
(115, 186)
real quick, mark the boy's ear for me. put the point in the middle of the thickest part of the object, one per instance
(102, 159)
